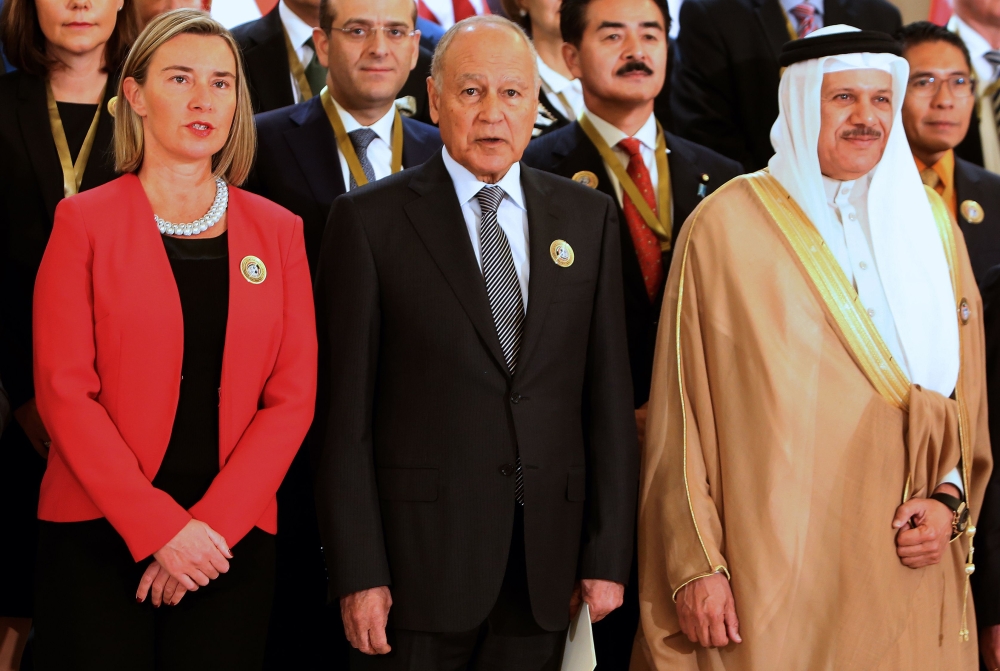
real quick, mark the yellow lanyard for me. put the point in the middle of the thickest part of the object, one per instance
(298, 71)
(72, 172)
(659, 225)
(347, 149)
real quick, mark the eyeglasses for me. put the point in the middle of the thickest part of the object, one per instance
(960, 86)
(361, 33)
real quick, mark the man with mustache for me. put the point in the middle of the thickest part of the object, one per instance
(817, 431)
(618, 49)
(479, 459)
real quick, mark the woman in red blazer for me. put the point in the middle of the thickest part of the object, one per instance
(175, 369)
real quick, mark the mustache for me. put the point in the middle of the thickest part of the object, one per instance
(863, 131)
(634, 66)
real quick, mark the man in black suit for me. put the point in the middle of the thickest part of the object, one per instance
(620, 86)
(725, 88)
(299, 164)
(277, 80)
(936, 114)
(479, 462)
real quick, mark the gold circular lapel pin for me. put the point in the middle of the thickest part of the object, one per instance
(586, 178)
(562, 253)
(253, 269)
(972, 211)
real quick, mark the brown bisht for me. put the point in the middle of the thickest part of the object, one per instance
(782, 437)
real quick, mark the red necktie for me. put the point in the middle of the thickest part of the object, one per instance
(647, 245)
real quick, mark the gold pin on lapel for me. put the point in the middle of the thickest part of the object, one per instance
(586, 178)
(253, 269)
(964, 312)
(562, 253)
(972, 211)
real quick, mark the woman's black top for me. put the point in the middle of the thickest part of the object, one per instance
(76, 119)
(192, 458)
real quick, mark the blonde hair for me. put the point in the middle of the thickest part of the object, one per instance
(233, 162)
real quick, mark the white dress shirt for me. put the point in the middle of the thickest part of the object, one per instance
(512, 215)
(298, 32)
(817, 16)
(379, 151)
(647, 149)
(978, 46)
(849, 202)
(554, 83)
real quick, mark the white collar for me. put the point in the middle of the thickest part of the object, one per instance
(612, 135)
(555, 81)
(467, 186)
(382, 127)
(856, 188)
(817, 5)
(298, 30)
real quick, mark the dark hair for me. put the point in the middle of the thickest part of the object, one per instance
(921, 32)
(327, 16)
(573, 19)
(24, 42)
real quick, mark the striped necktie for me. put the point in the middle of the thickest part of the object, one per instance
(993, 58)
(503, 290)
(805, 15)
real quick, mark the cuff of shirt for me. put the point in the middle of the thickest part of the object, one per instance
(954, 478)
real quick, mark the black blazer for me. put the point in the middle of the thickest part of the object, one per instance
(419, 420)
(725, 89)
(983, 240)
(265, 57)
(568, 151)
(298, 167)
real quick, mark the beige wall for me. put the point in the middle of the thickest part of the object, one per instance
(913, 10)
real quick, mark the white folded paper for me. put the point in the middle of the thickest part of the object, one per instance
(579, 654)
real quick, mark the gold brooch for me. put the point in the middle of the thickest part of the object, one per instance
(972, 211)
(253, 269)
(112, 106)
(586, 178)
(562, 253)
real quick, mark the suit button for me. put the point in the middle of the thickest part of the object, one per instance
(515, 398)
(507, 470)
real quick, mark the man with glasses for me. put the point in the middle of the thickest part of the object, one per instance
(936, 114)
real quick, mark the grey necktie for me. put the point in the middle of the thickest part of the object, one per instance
(503, 290)
(361, 138)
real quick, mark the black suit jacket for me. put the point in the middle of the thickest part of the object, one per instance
(420, 420)
(298, 166)
(265, 57)
(568, 151)
(725, 89)
(983, 239)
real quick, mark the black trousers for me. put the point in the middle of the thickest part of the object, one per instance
(509, 639)
(86, 615)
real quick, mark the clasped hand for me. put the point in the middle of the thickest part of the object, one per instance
(192, 558)
(925, 527)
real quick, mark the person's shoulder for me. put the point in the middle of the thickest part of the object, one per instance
(282, 118)
(422, 132)
(108, 196)
(569, 194)
(544, 152)
(253, 32)
(705, 158)
(986, 180)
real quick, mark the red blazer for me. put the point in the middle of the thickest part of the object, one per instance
(109, 340)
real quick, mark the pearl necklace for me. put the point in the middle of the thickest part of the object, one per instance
(200, 225)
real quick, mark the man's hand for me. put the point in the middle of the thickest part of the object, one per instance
(196, 555)
(640, 423)
(989, 646)
(603, 596)
(365, 616)
(925, 531)
(27, 416)
(707, 612)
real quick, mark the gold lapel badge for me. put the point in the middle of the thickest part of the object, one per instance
(112, 105)
(562, 253)
(972, 211)
(586, 178)
(964, 311)
(253, 269)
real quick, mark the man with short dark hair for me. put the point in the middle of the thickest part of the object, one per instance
(977, 22)
(479, 461)
(618, 49)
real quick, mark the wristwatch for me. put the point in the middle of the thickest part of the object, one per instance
(960, 521)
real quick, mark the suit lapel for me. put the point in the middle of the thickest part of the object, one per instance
(315, 149)
(685, 178)
(543, 229)
(269, 61)
(33, 116)
(438, 220)
(774, 23)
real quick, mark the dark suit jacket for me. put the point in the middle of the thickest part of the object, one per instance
(971, 147)
(266, 59)
(725, 89)
(298, 166)
(983, 240)
(420, 420)
(568, 151)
